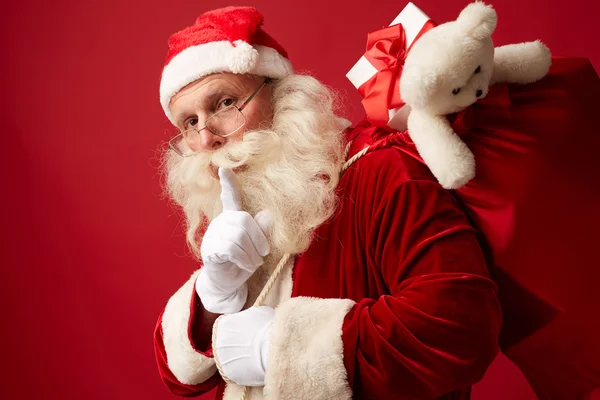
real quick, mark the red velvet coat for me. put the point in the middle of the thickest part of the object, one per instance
(424, 318)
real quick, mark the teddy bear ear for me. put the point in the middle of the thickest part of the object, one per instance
(478, 20)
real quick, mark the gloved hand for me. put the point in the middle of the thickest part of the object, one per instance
(242, 343)
(233, 247)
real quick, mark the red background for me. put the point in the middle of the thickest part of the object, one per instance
(90, 250)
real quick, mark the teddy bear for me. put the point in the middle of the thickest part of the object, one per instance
(449, 68)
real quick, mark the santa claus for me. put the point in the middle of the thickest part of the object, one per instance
(378, 286)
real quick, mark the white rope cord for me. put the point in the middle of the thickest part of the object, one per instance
(282, 263)
(347, 149)
(263, 294)
(355, 157)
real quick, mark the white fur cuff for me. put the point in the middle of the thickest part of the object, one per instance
(306, 359)
(189, 366)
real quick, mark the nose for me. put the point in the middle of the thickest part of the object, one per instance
(478, 93)
(205, 140)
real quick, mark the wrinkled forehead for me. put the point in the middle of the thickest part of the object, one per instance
(208, 84)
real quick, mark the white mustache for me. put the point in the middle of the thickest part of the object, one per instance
(255, 147)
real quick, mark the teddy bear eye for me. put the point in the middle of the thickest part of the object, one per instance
(455, 91)
(478, 69)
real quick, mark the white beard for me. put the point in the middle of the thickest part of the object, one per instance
(291, 169)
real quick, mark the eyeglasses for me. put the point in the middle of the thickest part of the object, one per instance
(223, 123)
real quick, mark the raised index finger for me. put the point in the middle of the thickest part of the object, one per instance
(230, 192)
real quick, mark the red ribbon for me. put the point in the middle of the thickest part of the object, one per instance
(386, 51)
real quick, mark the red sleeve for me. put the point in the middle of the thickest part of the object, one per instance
(436, 331)
(191, 356)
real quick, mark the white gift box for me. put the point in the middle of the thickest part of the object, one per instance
(412, 20)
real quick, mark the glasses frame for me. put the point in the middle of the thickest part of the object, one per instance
(181, 136)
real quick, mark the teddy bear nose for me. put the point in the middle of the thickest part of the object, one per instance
(479, 93)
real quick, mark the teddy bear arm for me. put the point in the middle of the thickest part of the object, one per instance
(446, 155)
(521, 62)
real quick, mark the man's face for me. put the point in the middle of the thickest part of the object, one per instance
(196, 102)
(288, 160)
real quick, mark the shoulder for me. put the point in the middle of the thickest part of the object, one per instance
(393, 166)
(390, 162)
(389, 177)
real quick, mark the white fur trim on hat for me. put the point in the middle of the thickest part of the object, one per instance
(223, 56)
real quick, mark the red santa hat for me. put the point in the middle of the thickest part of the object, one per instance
(224, 40)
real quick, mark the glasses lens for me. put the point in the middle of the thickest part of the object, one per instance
(226, 121)
(180, 146)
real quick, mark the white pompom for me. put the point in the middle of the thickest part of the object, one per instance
(242, 58)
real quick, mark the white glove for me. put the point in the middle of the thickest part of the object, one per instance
(242, 345)
(232, 248)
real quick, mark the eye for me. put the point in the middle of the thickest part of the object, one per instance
(455, 91)
(477, 70)
(190, 123)
(226, 102)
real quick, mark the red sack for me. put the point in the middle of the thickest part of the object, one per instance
(535, 200)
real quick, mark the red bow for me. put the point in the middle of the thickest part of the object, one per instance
(386, 51)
